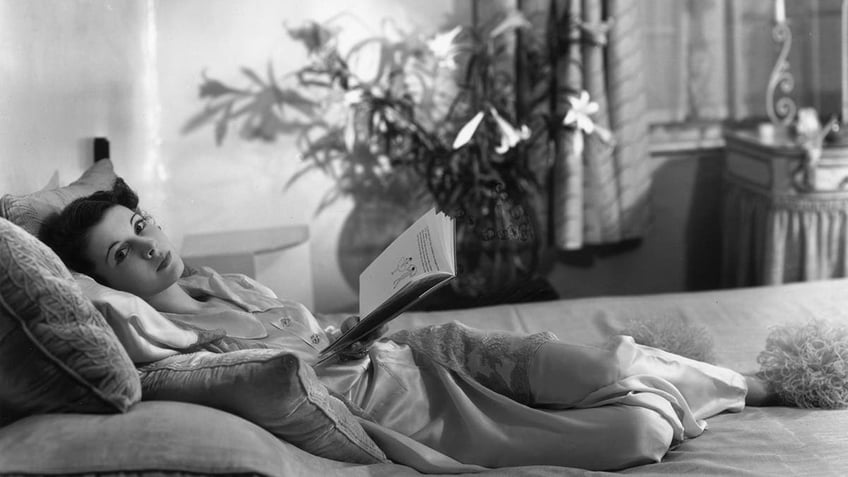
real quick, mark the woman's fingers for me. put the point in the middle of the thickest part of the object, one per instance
(354, 351)
(375, 335)
(349, 322)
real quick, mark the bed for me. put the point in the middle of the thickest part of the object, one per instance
(169, 438)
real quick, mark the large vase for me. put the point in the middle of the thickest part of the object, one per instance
(497, 248)
(369, 228)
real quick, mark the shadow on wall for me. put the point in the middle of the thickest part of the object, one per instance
(704, 224)
(680, 252)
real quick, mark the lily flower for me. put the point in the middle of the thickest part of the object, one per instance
(510, 136)
(317, 38)
(353, 97)
(467, 131)
(444, 48)
(579, 116)
(383, 166)
(514, 19)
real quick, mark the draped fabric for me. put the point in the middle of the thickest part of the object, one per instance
(782, 239)
(602, 195)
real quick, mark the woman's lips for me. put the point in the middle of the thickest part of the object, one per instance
(165, 262)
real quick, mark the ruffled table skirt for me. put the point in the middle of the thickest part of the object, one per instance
(770, 239)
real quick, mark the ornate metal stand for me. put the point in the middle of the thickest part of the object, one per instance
(781, 108)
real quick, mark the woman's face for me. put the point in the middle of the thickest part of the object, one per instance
(132, 254)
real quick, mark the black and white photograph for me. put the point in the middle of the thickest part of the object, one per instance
(379, 238)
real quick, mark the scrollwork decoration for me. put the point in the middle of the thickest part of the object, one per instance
(780, 106)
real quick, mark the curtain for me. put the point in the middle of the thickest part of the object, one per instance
(602, 195)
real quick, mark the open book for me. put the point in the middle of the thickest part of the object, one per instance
(415, 264)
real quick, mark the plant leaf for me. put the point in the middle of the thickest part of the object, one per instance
(253, 76)
(331, 196)
(298, 174)
(211, 88)
(221, 125)
(203, 117)
(272, 80)
(514, 19)
(292, 98)
(367, 57)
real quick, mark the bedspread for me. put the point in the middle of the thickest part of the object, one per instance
(755, 442)
(759, 441)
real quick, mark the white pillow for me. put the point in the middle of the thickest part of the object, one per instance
(145, 333)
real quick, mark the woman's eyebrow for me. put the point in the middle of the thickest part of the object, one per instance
(108, 250)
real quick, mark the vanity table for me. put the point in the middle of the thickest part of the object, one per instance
(781, 221)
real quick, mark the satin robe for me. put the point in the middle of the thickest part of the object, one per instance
(495, 399)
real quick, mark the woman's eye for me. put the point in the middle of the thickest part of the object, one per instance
(140, 225)
(120, 255)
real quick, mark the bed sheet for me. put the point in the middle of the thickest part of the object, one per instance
(757, 441)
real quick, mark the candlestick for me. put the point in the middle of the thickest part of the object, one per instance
(780, 106)
(779, 11)
(844, 118)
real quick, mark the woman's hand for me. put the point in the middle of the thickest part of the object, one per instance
(359, 349)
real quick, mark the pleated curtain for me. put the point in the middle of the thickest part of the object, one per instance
(602, 195)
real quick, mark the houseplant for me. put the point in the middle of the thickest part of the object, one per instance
(436, 120)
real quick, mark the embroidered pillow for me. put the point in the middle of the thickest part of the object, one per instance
(57, 353)
(273, 389)
(29, 210)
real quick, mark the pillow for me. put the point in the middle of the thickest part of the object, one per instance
(57, 353)
(271, 388)
(146, 334)
(30, 210)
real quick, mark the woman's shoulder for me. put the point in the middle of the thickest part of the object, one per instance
(209, 278)
(250, 284)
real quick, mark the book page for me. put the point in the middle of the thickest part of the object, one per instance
(419, 251)
(417, 263)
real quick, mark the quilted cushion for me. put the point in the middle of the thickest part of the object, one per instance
(57, 353)
(268, 387)
(30, 210)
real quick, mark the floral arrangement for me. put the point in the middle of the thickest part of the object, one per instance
(415, 117)
(435, 118)
(810, 135)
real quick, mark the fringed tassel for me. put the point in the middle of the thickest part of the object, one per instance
(806, 365)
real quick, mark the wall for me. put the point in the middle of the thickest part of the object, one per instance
(71, 71)
(129, 70)
(239, 185)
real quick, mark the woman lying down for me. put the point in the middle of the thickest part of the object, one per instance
(513, 401)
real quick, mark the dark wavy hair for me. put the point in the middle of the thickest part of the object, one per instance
(67, 232)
